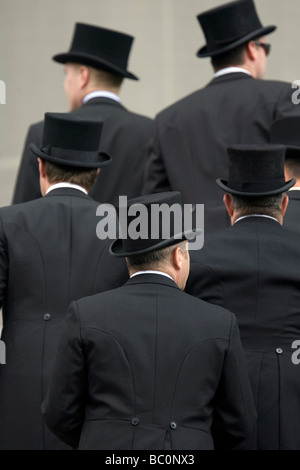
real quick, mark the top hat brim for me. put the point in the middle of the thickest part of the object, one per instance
(205, 52)
(93, 61)
(223, 184)
(94, 159)
(116, 247)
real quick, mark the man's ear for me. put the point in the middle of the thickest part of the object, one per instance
(251, 51)
(227, 199)
(284, 204)
(287, 175)
(84, 73)
(177, 258)
(42, 168)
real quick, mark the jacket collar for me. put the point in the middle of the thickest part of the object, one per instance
(102, 100)
(152, 279)
(256, 220)
(229, 77)
(68, 192)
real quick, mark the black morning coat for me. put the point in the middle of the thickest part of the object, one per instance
(252, 269)
(125, 137)
(49, 256)
(291, 220)
(147, 366)
(188, 149)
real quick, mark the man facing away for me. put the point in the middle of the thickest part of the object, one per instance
(252, 269)
(147, 366)
(95, 67)
(49, 256)
(190, 138)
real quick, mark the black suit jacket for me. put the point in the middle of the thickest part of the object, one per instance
(188, 149)
(291, 220)
(147, 366)
(49, 256)
(125, 137)
(252, 269)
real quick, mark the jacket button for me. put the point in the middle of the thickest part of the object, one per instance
(279, 351)
(173, 425)
(47, 316)
(135, 421)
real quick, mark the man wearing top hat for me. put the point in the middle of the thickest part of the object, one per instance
(165, 370)
(49, 256)
(252, 269)
(286, 131)
(95, 67)
(188, 146)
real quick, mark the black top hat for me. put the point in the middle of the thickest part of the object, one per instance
(100, 48)
(155, 236)
(68, 140)
(286, 131)
(256, 170)
(229, 26)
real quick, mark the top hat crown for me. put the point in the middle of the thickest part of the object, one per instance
(70, 141)
(229, 26)
(286, 131)
(256, 170)
(100, 48)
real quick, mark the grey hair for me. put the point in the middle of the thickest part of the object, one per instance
(262, 205)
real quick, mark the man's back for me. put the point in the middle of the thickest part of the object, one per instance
(253, 270)
(125, 136)
(190, 139)
(150, 384)
(50, 255)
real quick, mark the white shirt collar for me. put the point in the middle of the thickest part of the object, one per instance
(66, 185)
(255, 215)
(295, 188)
(101, 94)
(151, 272)
(227, 70)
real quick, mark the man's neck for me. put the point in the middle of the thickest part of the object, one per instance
(232, 69)
(101, 92)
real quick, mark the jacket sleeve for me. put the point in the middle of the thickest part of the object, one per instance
(235, 414)
(64, 406)
(27, 186)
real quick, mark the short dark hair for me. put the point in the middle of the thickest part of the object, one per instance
(153, 258)
(233, 57)
(85, 177)
(261, 205)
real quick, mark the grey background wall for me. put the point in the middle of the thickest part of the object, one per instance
(167, 36)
